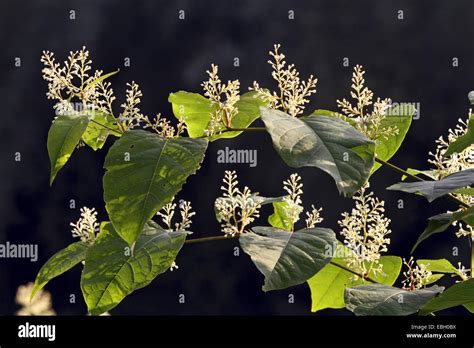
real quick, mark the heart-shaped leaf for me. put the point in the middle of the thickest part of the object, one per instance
(101, 125)
(399, 117)
(59, 263)
(279, 218)
(194, 109)
(440, 265)
(435, 189)
(113, 270)
(144, 172)
(378, 299)
(327, 286)
(457, 295)
(327, 143)
(285, 258)
(63, 137)
(196, 112)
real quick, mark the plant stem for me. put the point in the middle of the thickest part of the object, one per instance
(353, 272)
(206, 239)
(224, 237)
(398, 169)
(249, 129)
(472, 255)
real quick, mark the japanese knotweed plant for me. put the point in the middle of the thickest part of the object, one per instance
(152, 158)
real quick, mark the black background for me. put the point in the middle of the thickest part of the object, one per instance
(409, 60)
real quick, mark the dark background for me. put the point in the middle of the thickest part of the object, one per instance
(409, 60)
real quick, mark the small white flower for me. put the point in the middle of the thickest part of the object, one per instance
(41, 304)
(186, 213)
(236, 209)
(415, 277)
(293, 203)
(87, 226)
(463, 272)
(313, 217)
(174, 266)
(292, 92)
(368, 123)
(365, 232)
(225, 96)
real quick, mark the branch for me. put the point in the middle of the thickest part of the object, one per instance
(385, 163)
(226, 237)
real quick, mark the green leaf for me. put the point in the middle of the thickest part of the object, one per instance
(433, 278)
(327, 286)
(439, 223)
(95, 135)
(113, 270)
(59, 263)
(279, 218)
(377, 299)
(285, 258)
(144, 171)
(399, 117)
(440, 265)
(322, 112)
(248, 108)
(462, 142)
(435, 189)
(457, 295)
(465, 191)
(63, 137)
(100, 79)
(327, 143)
(469, 306)
(196, 111)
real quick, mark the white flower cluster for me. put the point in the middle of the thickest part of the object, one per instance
(293, 203)
(131, 116)
(463, 272)
(368, 123)
(465, 231)
(415, 277)
(41, 304)
(236, 209)
(74, 80)
(292, 92)
(87, 226)
(215, 90)
(365, 232)
(445, 165)
(167, 215)
(186, 213)
(313, 217)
